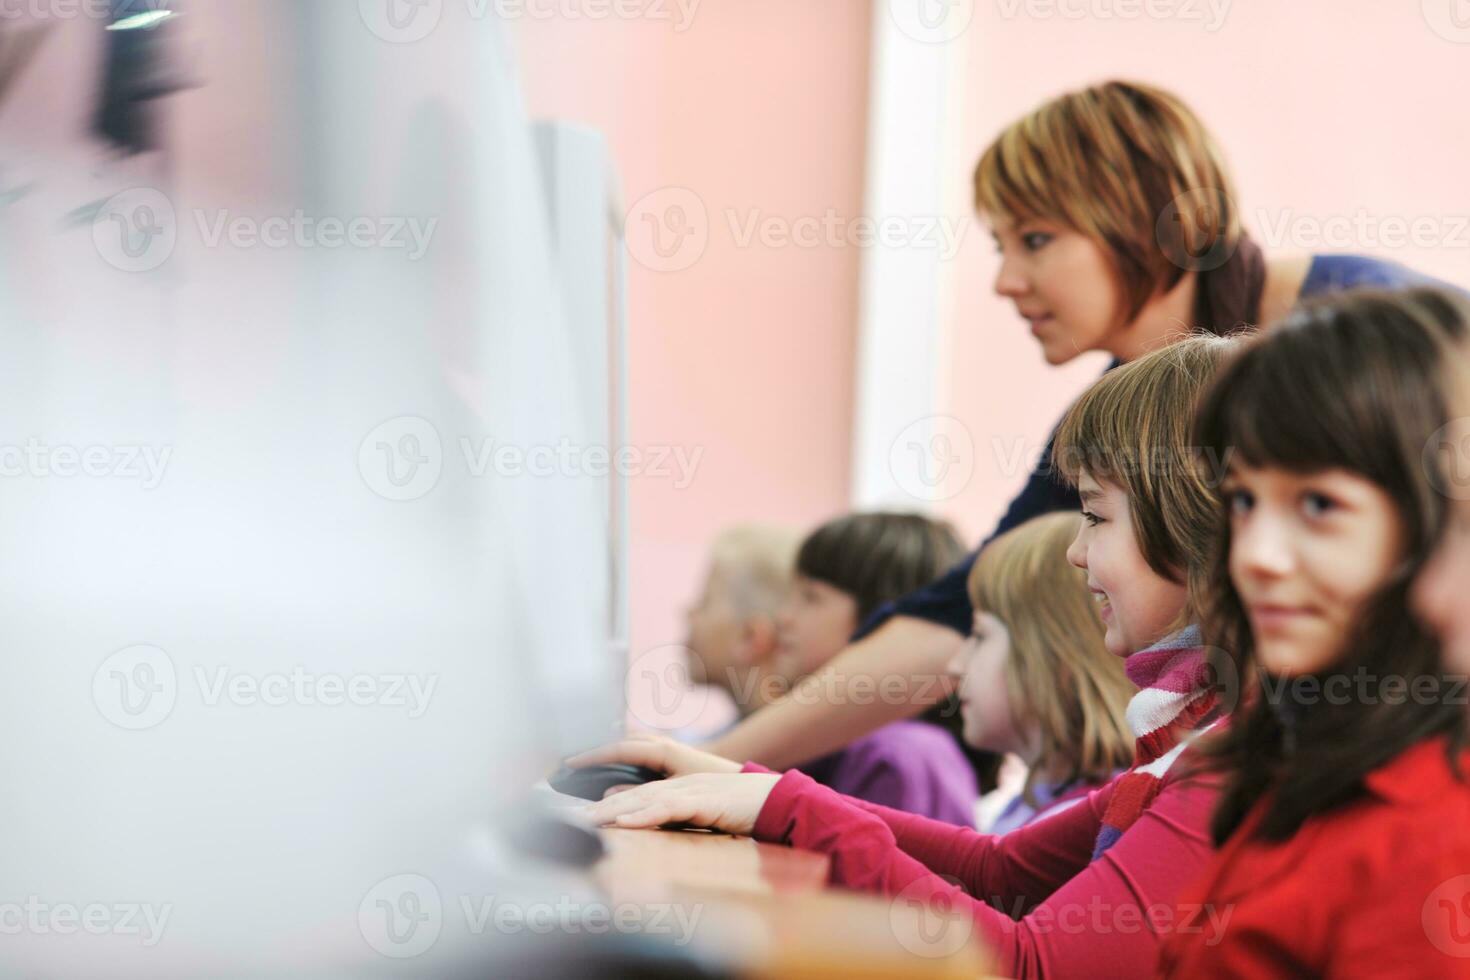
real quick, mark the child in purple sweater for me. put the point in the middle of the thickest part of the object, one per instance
(845, 569)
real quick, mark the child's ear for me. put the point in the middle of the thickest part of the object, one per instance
(757, 640)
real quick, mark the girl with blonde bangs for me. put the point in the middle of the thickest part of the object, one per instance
(1035, 677)
(1118, 229)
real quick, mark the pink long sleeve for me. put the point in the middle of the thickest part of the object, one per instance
(1080, 918)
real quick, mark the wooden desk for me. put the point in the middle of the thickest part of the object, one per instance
(767, 910)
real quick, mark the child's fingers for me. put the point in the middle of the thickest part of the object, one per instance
(653, 815)
(609, 808)
(635, 752)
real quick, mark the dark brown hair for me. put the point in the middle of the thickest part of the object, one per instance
(876, 558)
(879, 557)
(1351, 382)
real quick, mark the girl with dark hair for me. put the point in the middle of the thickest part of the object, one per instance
(1344, 813)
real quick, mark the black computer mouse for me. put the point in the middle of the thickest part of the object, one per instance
(591, 782)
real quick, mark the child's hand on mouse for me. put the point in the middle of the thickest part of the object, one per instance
(721, 801)
(656, 752)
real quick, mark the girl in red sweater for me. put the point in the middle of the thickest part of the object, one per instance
(1088, 891)
(1344, 817)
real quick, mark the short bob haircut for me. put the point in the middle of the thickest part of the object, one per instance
(1131, 167)
(1132, 429)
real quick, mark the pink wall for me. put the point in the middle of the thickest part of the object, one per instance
(760, 108)
(1323, 107)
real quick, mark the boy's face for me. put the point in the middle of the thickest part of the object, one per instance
(1137, 605)
(813, 626)
(715, 629)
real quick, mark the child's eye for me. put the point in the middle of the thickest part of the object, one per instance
(1092, 519)
(1034, 240)
(1239, 501)
(1316, 504)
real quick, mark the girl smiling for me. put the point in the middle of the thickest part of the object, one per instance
(1129, 847)
(1345, 813)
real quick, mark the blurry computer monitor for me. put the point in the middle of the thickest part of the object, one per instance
(294, 599)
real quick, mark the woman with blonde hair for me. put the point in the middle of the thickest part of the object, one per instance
(1035, 678)
(1118, 230)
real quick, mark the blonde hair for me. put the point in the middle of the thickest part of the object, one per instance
(1133, 428)
(759, 562)
(1059, 676)
(1131, 167)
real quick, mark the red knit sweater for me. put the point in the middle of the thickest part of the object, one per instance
(1075, 917)
(1379, 887)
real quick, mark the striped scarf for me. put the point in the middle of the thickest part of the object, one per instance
(1174, 703)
